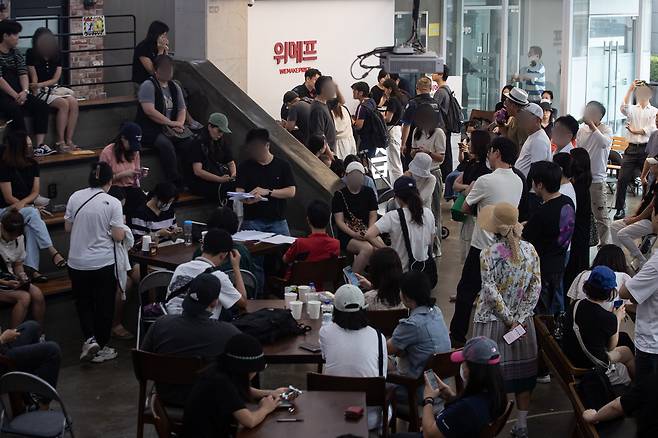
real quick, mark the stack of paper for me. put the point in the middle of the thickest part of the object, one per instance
(245, 235)
(278, 239)
(241, 196)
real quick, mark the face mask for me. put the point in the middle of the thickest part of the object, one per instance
(162, 206)
(461, 374)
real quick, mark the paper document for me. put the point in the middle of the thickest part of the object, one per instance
(245, 235)
(278, 239)
(166, 243)
(240, 195)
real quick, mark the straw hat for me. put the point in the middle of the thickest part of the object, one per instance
(499, 218)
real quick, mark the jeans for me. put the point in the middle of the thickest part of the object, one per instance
(645, 364)
(631, 166)
(449, 193)
(625, 235)
(599, 202)
(468, 288)
(278, 227)
(39, 358)
(393, 153)
(36, 236)
(38, 109)
(94, 300)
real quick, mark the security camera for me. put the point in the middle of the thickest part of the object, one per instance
(250, 3)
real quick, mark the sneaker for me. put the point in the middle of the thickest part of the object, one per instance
(620, 214)
(519, 432)
(104, 355)
(89, 349)
(43, 151)
(544, 379)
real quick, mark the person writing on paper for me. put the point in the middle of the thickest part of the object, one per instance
(267, 178)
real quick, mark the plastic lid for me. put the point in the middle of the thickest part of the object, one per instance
(188, 222)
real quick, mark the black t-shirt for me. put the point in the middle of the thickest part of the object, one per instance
(359, 205)
(473, 170)
(525, 195)
(22, 180)
(393, 105)
(320, 121)
(45, 68)
(275, 175)
(300, 113)
(210, 407)
(214, 155)
(465, 417)
(597, 325)
(641, 401)
(549, 230)
(376, 94)
(144, 49)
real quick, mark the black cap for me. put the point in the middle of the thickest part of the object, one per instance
(404, 183)
(217, 241)
(204, 289)
(243, 353)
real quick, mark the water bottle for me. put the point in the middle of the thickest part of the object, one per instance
(187, 231)
(312, 286)
(327, 312)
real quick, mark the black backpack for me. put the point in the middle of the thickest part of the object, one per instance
(270, 325)
(374, 128)
(453, 119)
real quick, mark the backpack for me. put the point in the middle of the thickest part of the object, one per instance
(453, 119)
(374, 128)
(270, 325)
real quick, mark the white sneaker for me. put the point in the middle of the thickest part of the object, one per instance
(43, 151)
(89, 349)
(544, 379)
(104, 355)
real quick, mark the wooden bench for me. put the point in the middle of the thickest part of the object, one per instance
(55, 286)
(67, 157)
(114, 100)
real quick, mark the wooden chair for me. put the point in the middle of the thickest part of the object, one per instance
(441, 364)
(496, 426)
(160, 418)
(386, 320)
(326, 274)
(160, 368)
(373, 387)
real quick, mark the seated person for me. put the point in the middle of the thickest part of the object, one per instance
(350, 347)
(123, 156)
(217, 247)
(217, 404)
(383, 284)
(318, 145)
(15, 286)
(367, 179)
(212, 165)
(599, 329)
(355, 210)
(157, 214)
(192, 333)
(161, 113)
(482, 401)
(421, 335)
(419, 170)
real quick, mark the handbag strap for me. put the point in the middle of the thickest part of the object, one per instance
(595, 360)
(380, 358)
(85, 203)
(347, 208)
(405, 235)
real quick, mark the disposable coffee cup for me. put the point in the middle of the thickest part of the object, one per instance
(303, 293)
(296, 309)
(313, 309)
(290, 289)
(146, 244)
(312, 296)
(289, 297)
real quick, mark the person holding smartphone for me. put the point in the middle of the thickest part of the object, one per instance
(482, 400)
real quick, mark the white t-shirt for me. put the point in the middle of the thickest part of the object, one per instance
(597, 144)
(576, 289)
(426, 189)
(12, 251)
(501, 185)
(186, 272)
(644, 288)
(568, 190)
(640, 119)
(92, 246)
(435, 143)
(353, 353)
(420, 236)
(537, 147)
(565, 150)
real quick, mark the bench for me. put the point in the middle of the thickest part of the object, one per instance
(55, 286)
(67, 157)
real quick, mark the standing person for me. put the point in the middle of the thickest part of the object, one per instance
(355, 210)
(383, 282)
(652, 151)
(364, 119)
(19, 187)
(345, 142)
(394, 107)
(423, 98)
(502, 185)
(378, 91)
(504, 94)
(156, 43)
(95, 221)
(596, 138)
(266, 177)
(641, 123)
(161, 113)
(537, 146)
(15, 98)
(533, 76)
(511, 284)
(299, 111)
(563, 134)
(549, 229)
(305, 90)
(123, 156)
(44, 66)
(443, 96)
(213, 170)
(320, 120)
(565, 162)
(547, 122)
(512, 129)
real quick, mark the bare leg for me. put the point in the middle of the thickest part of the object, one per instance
(62, 106)
(362, 251)
(38, 304)
(39, 138)
(21, 301)
(73, 119)
(523, 401)
(52, 251)
(624, 355)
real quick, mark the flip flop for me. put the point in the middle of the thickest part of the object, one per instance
(62, 263)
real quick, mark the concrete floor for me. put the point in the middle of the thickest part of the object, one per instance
(102, 399)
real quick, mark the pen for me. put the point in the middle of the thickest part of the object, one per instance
(289, 420)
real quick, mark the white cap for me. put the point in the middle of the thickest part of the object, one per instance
(355, 165)
(534, 109)
(652, 161)
(349, 298)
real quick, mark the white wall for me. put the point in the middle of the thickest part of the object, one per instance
(335, 26)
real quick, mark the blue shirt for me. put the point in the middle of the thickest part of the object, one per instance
(419, 336)
(465, 417)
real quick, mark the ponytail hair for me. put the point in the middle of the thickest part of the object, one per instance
(100, 175)
(411, 198)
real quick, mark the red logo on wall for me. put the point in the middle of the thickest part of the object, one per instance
(298, 51)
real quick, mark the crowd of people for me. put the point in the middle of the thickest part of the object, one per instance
(530, 191)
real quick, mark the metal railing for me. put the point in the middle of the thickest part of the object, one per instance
(64, 23)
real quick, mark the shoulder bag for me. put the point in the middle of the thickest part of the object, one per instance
(353, 223)
(428, 267)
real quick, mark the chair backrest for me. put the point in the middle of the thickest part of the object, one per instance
(163, 368)
(157, 281)
(496, 426)
(329, 271)
(586, 429)
(20, 382)
(386, 320)
(249, 279)
(441, 364)
(619, 144)
(161, 419)
(374, 387)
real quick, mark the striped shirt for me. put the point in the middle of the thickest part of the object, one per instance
(536, 85)
(12, 65)
(145, 221)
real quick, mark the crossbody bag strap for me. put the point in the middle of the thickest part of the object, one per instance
(380, 358)
(595, 360)
(405, 235)
(85, 203)
(186, 286)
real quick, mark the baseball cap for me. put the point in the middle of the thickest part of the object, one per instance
(349, 298)
(355, 165)
(518, 96)
(534, 109)
(480, 349)
(220, 121)
(203, 290)
(243, 353)
(403, 183)
(652, 161)
(289, 96)
(133, 133)
(602, 277)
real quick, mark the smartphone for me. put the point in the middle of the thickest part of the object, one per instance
(514, 334)
(313, 348)
(431, 378)
(618, 303)
(350, 277)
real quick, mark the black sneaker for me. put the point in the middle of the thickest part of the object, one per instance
(620, 214)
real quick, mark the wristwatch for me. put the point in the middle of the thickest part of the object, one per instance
(428, 401)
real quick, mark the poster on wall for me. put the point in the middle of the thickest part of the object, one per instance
(294, 52)
(93, 25)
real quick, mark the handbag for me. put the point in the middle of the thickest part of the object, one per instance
(353, 223)
(428, 267)
(593, 232)
(169, 132)
(456, 209)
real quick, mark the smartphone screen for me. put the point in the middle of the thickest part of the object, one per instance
(618, 303)
(431, 378)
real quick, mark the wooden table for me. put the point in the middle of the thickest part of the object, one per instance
(287, 351)
(323, 415)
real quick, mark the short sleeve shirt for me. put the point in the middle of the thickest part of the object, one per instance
(213, 155)
(300, 113)
(12, 66)
(108, 156)
(146, 94)
(12, 251)
(275, 175)
(45, 68)
(420, 236)
(143, 220)
(145, 49)
(22, 180)
(465, 417)
(597, 325)
(644, 289)
(393, 105)
(353, 205)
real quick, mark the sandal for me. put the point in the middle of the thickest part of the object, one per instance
(120, 332)
(35, 276)
(62, 263)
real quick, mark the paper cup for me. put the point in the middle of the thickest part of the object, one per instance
(303, 293)
(288, 297)
(313, 309)
(312, 296)
(146, 244)
(296, 309)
